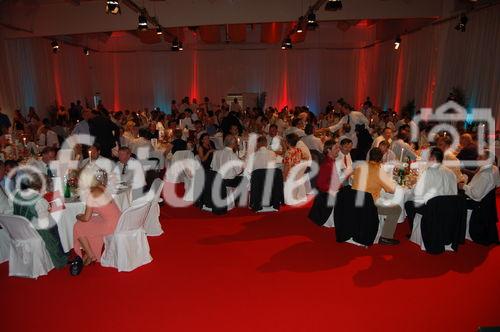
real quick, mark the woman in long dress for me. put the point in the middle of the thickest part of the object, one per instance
(99, 220)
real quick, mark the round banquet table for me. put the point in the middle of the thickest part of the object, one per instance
(66, 218)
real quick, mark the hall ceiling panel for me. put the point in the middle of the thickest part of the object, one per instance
(60, 17)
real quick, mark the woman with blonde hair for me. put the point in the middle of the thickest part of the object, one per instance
(99, 220)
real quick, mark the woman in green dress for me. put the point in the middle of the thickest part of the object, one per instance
(29, 203)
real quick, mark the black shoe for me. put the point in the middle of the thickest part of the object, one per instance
(391, 242)
(76, 266)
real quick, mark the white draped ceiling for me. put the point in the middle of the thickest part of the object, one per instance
(426, 67)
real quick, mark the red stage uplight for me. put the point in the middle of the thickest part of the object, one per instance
(57, 80)
(116, 85)
(271, 33)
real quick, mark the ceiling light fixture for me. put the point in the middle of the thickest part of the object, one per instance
(397, 42)
(55, 46)
(143, 23)
(333, 5)
(462, 23)
(86, 51)
(113, 7)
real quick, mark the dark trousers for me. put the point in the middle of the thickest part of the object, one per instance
(233, 183)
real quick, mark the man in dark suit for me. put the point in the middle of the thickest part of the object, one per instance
(106, 133)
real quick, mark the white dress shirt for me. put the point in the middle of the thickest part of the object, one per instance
(484, 181)
(274, 143)
(343, 164)
(313, 142)
(354, 118)
(436, 180)
(221, 157)
(262, 158)
(133, 173)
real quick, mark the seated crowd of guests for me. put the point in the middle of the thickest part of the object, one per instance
(219, 134)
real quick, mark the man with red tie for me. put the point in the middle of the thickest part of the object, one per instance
(344, 161)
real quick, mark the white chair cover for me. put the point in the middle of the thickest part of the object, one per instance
(467, 233)
(416, 234)
(28, 256)
(152, 225)
(4, 246)
(128, 248)
(181, 161)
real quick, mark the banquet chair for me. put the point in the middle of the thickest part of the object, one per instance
(482, 219)
(354, 223)
(441, 227)
(28, 256)
(321, 212)
(152, 224)
(182, 159)
(128, 248)
(275, 198)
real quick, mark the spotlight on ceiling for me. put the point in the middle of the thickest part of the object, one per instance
(113, 7)
(55, 46)
(287, 44)
(159, 30)
(462, 23)
(333, 5)
(311, 21)
(397, 42)
(299, 28)
(175, 45)
(86, 51)
(143, 23)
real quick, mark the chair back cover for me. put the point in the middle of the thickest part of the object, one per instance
(320, 210)
(132, 218)
(19, 228)
(443, 223)
(482, 227)
(260, 196)
(28, 256)
(357, 222)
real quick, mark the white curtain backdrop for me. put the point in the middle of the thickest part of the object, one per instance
(425, 68)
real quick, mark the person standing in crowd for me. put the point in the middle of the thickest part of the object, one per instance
(106, 133)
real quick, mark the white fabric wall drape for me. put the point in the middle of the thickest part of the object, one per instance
(426, 67)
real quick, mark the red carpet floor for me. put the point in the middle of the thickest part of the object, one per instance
(263, 272)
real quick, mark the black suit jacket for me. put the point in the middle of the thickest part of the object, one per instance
(106, 133)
